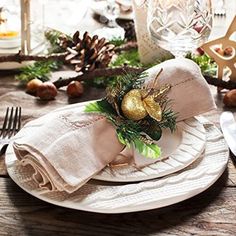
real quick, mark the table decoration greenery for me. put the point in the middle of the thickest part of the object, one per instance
(138, 112)
(97, 61)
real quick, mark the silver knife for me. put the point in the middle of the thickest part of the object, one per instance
(228, 127)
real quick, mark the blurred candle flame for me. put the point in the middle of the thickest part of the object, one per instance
(4, 32)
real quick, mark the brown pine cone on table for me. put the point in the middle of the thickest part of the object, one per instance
(89, 53)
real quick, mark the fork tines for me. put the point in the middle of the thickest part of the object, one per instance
(12, 122)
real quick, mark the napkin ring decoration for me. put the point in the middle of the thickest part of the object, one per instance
(138, 112)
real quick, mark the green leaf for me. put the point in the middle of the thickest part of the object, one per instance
(129, 58)
(53, 37)
(122, 139)
(93, 107)
(155, 134)
(101, 106)
(147, 150)
(106, 107)
(117, 41)
(207, 65)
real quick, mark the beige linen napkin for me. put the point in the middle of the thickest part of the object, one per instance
(190, 94)
(68, 147)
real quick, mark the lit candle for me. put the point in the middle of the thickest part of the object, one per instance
(4, 32)
(9, 36)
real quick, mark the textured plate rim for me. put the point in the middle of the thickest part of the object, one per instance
(125, 179)
(147, 206)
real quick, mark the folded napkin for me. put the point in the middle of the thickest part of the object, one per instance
(68, 147)
(190, 93)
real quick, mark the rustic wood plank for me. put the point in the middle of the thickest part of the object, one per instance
(210, 213)
(3, 170)
(232, 173)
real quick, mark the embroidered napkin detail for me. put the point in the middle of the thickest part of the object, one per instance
(67, 150)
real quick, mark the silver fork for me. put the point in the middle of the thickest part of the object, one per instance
(11, 125)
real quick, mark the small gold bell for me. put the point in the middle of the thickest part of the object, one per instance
(132, 105)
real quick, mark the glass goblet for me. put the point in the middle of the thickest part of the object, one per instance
(179, 26)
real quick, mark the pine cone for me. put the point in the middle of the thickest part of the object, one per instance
(88, 53)
(130, 34)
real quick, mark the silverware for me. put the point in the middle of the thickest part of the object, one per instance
(228, 127)
(11, 125)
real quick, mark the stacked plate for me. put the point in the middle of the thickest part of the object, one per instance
(196, 157)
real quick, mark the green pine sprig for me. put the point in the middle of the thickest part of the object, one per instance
(42, 69)
(117, 41)
(39, 70)
(128, 132)
(206, 64)
(140, 134)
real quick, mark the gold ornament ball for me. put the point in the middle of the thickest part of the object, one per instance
(132, 105)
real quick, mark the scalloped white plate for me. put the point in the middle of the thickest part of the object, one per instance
(103, 197)
(178, 150)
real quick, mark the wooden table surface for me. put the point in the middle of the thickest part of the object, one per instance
(212, 212)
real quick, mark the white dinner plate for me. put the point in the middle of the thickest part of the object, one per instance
(104, 197)
(99, 6)
(179, 150)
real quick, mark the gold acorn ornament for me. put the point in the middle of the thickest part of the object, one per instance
(138, 112)
(132, 105)
(138, 103)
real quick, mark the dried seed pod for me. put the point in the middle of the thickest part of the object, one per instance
(228, 51)
(75, 89)
(88, 53)
(32, 86)
(47, 91)
(230, 98)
